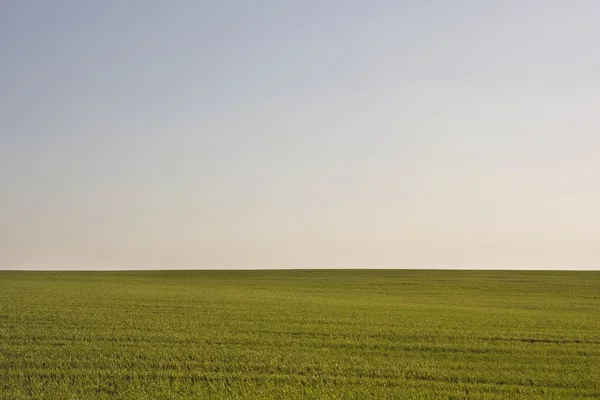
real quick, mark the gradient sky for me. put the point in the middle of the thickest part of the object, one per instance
(300, 134)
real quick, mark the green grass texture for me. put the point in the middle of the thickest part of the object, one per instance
(310, 334)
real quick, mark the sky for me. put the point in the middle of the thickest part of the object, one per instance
(299, 134)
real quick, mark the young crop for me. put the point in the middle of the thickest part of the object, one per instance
(300, 334)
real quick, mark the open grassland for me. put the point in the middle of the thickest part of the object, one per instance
(300, 334)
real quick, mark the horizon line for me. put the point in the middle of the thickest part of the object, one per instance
(295, 269)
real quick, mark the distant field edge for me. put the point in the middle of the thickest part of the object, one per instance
(295, 269)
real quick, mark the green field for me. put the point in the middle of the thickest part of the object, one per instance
(300, 334)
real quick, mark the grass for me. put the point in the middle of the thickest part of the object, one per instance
(300, 334)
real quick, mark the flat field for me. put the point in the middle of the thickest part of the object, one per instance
(300, 334)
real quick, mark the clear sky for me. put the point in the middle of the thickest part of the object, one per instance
(300, 134)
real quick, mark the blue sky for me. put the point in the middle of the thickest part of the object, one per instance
(230, 134)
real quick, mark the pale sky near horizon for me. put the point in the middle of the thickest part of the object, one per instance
(300, 134)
